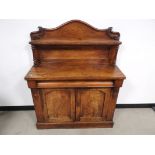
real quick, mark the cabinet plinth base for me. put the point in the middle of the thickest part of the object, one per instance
(106, 124)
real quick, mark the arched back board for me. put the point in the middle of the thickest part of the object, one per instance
(74, 40)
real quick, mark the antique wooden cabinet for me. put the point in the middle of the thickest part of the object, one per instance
(74, 80)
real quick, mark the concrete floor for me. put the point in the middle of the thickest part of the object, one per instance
(131, 121)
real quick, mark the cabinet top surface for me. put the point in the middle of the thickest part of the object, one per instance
(64, 70)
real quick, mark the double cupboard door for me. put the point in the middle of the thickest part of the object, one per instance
(75, 104)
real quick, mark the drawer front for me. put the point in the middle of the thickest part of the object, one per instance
(58, 105)
(74, 84)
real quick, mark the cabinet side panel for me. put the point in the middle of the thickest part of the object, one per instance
(112, 103)
(38, 104)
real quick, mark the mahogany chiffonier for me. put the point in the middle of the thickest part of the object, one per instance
(74, 80)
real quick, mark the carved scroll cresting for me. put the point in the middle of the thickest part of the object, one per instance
(113, 35)
(37, 34)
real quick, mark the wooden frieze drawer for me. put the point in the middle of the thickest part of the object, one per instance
(74, 84)
(74, 80)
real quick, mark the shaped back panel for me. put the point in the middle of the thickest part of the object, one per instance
(76, 41)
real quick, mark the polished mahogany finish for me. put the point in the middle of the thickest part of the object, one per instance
(74, 80)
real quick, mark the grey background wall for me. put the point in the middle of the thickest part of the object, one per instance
(135, 58)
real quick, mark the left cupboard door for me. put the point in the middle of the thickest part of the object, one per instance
(58, 105)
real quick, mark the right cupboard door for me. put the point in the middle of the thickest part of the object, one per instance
(92, 104)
